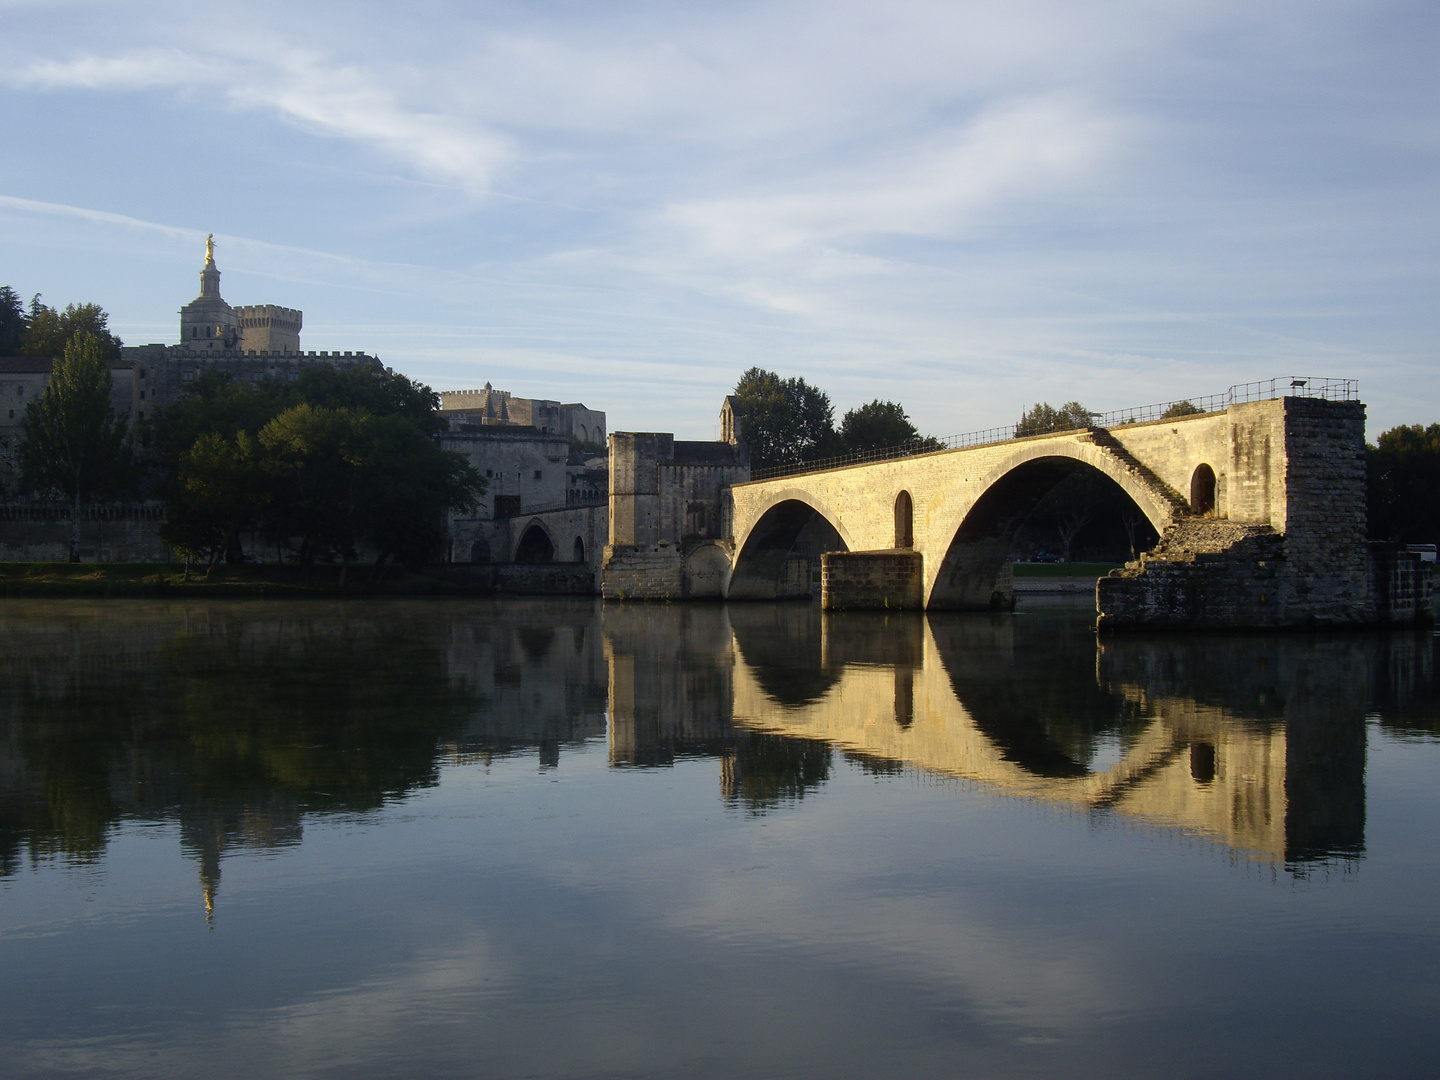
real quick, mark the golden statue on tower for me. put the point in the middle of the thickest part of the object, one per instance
(210, 247)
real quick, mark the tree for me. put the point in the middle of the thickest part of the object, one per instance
(49, 330)
(408, 484)
(316, 456)
(71, 441)
(1404, 485)
(1045, 418)
(369, 388)
(222, 492)
(879, 425)
(786, 421)
(13, 322)
(1181, 408)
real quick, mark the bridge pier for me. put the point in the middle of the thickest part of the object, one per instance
(872, 580)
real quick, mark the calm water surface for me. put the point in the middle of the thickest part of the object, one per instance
(551, 839)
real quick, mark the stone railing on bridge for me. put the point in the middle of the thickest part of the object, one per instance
(1304, 386)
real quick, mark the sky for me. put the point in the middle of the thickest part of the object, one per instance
(963, 207)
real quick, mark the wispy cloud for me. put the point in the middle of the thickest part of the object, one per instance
(304, 89)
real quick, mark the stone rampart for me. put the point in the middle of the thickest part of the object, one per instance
(125, 533)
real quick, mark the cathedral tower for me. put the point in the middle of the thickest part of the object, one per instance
(208, 323)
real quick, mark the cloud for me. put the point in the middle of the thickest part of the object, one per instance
(1010, 151)
(303, 89)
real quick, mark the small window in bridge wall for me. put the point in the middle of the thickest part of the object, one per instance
(579, 553)
(1202, 490)
(904, 521)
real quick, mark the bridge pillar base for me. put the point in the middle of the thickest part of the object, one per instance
(872, 580)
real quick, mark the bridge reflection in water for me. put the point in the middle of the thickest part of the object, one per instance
(1254, 741)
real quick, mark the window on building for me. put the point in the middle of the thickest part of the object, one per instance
(142, 395)
(20, 391)
(12, 414)
(142, 372)
(539, 474)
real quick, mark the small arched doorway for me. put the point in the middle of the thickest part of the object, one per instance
(904, 521)
(579, 553)
(480, 551)
(1202, 490)
(535, 546)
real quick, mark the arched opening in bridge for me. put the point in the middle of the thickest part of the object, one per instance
(1202, 489)
(780, 559)
(535, 546)
(904, 521)
(1045, 510)
(480, 551)
(579, 552)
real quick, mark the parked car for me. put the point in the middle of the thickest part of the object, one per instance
(1045, 556)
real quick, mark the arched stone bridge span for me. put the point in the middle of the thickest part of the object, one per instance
(958, 510)
(1260, 509)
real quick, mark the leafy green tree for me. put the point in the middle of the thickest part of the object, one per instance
(222, 492)
(1404, 485)
(369, 388)
(13, 322)
(879, 425)
(408, 484)
(48, 330)
(784, 421)
(331, 460)
(1181, 408)
(1045, 418)
(316, 456)
(71, 441)
(214, 404)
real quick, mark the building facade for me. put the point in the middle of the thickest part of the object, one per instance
(488, 406)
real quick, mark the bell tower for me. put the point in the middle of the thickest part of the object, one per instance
(208, 323)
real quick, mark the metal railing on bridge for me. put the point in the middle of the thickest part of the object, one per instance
(1264, 390)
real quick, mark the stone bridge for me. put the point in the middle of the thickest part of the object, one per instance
(1260, 507)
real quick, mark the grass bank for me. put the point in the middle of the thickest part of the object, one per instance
(1063, 569)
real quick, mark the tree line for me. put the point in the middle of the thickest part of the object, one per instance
(789, 422)
(318, 468)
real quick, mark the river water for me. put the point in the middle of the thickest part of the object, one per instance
(558, 839)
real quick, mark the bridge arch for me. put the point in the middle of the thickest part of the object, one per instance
(1202, 489)
(978, 538)
(764, 552)
(536, 544)
(904, 520)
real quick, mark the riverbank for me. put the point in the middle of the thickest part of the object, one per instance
(169, 579)
(1059, 578)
